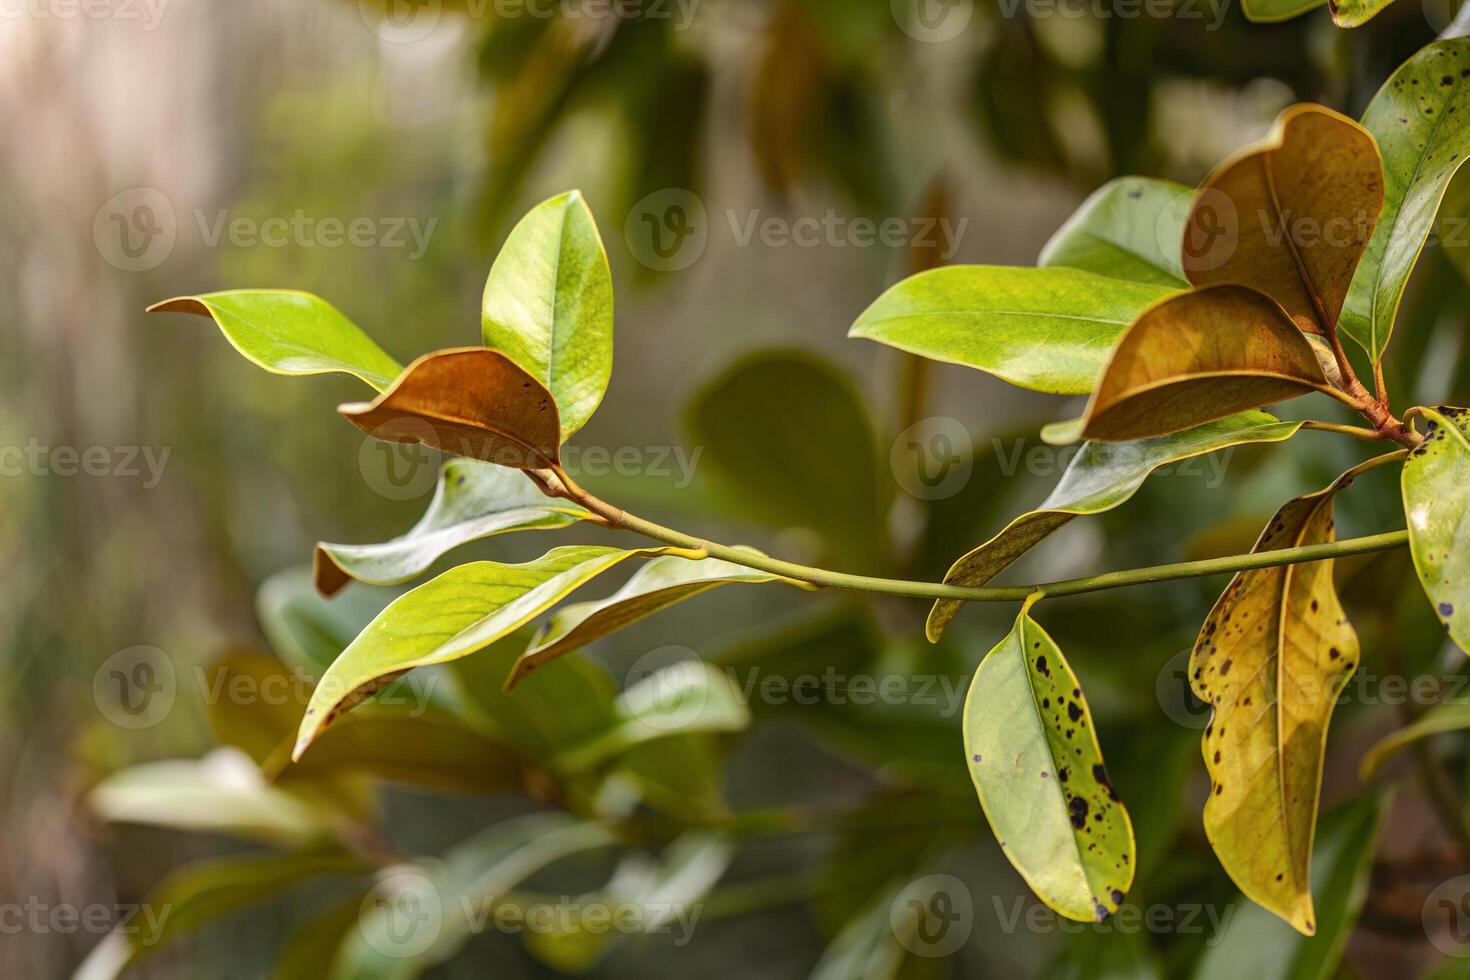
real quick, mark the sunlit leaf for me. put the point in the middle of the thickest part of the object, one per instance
(469, 401)
(1355, 13)
(1436, 489)
(657, 585)
(786, 435)
(1197, 357)
(474, 500)
(548, 305)
(1421, 119)
(1101, 476)
(452, 616)
(1255, 944)
(290, 332)
(1044, 329)
(1452, 716)
(1130, 228)
(1038, 769)
(662, 894)
(1290, 216)
(222, 793)
(424, 915)
(1271, 658)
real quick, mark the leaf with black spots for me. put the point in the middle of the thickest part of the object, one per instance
(1436, 490)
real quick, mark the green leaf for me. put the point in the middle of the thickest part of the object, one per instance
(683, 698)
(1355, 13)
(308, 952)
(1271, 11)
(1045, 329)
(657, 585)
(466, 401)
(680, 776)
(1436, 489)
(1130, 228)
(548, 305)
(1271, 659)
(221, 793)
(1419, 118)
(674, 885)
(452, 616)
(1033, 755)
(1253, 943)
(423, 916)
(474, 500)
(787, 436)
(306, 631)
(290, 332)
(1101, 476)
(1452, 716)
(1196, 357)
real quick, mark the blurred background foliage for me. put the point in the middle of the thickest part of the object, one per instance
(786, 109)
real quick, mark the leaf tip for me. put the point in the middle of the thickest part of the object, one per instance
(328, 576)
(180, 304)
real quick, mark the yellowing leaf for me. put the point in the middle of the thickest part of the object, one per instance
(474, 500)
(1290, 216)
(1271, 659)
(548, 305)
(657, 585)
(1037, 767)
(1197, 357)
(1436, 491)
(469, 401)
(290, 332)
(1100, 477)
(1355, 13)
(459, 613)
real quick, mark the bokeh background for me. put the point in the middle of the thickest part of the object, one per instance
(180, 146)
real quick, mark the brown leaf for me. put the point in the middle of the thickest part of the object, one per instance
(1271, 659)
(469, 401)
(1290, 216)
(1197, 357)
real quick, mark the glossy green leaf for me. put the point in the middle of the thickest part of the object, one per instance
(548, 304)
(290, 332)
(686, 697)
(474, 500)
(1037, 767)
(1101, 476)
(222, 793)
(1355, 13)
(1271, 659)
(1045, 329)
(1452, 716)
(422, 916)
(657, 585)
(1271, 11)
(664, 895)
(1421, 119)
(786, 436)
(1436, 490)
(1197, 357)
(1130, 228)
(1254, 943)
(452, 616)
